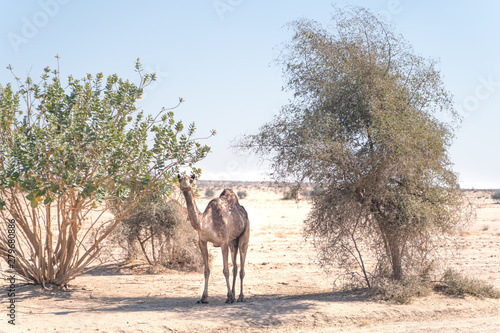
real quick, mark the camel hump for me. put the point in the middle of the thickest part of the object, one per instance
(229, 196)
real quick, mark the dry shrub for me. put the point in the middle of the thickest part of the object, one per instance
(161, 234)
(403, 291)
(457, 284)
(453, 283)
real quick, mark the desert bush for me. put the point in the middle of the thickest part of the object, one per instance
(161, 234)
(496, 196)
(209, 193)
(454, 283)
(242, 194)
(71, 151)
(292, 193)
(402, 291)
(315, 191)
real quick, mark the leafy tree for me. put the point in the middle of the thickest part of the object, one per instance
(366, 127)
(70, 153)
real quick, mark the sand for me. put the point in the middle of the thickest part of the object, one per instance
(285, 288)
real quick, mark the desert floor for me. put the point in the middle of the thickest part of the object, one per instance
(285, 288)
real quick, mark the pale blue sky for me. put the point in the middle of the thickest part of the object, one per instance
(217, 55)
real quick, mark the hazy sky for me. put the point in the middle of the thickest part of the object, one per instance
(218, 55)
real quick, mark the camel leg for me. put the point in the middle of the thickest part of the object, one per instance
(233, 247)
(204, 252)
(243, 247)
(225, 262)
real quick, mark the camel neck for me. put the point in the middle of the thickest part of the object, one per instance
(193, 212)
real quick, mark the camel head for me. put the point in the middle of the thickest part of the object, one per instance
(186, 182)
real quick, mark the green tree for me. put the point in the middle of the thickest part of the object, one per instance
(71, 153)
(366, 126)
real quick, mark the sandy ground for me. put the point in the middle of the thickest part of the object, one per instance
(285, 288)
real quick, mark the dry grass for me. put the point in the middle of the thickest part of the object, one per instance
(457, 284)
(403, 291)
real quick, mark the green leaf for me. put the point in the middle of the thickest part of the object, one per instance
(179, 126)
(30, 197)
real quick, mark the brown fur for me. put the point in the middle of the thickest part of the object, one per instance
(225, 224)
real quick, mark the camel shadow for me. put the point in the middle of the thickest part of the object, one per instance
(256, 306)
(259, 311)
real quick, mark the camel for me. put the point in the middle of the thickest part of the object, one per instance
(225, 224)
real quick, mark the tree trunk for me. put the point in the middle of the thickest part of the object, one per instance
(392, 242)
(132, 246)
(396, 260)
(153, 244)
